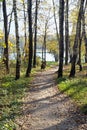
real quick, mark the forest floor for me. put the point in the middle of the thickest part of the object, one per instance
(46, 108)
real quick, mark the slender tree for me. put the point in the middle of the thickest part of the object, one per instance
(35, 35)
(79, 59)
(25, 34)
(80, 34)
(57, 35)
(61, 40)
(44, 47)
(45, 38)
(6, 54)
(54, 12)
(76, 41)
(84, 32)
(18, 61)
(29, 4)
(66, 32)
(44, 44)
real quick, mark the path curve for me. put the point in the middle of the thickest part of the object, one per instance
(46, 108)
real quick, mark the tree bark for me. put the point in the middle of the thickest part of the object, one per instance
(44, 43)
(84, 34)
(29, 4)
(45, 36)
(61, 40)
(35, 35)
(79, 60)
(66, 33)
(6, 55)
(76, 42)
(55, 20)
(25, 35)
(18, 61)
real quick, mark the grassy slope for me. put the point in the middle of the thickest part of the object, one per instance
(76, 87)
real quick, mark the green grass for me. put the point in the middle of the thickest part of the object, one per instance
(50, 64)
(11, 94)
(76, 88)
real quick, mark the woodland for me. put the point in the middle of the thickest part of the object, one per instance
(55, 26)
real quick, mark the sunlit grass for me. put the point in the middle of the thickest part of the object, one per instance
(76, 88)
(11, 94)
(50, 64)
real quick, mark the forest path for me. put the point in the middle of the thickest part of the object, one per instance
(46, 108)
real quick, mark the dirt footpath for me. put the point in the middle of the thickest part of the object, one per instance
(46, 108)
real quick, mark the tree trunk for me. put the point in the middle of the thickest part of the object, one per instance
(18, 61)
(61, 40)
(80, 42)
(66, 34)
(6, 55)
(35, 35)
(57, 35)
(29, 4)
(25, 35)
(45, 36)
(56, 57)
(80, 65)
(42, 53)
(44, 43)
(55, 20)
(84, 34)
(70, 48)
(75, 47)
(79, 60)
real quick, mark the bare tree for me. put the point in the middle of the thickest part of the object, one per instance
(25, 33)
(29, 4)
(84, 31)
(54, 12)
(61, 40)
(6, 54)
(18, 61)
(66, 32)
(35, 35)
(76, 41)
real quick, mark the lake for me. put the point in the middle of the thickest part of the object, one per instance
(49, 56)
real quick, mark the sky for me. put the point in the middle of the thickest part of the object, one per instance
(41, 22)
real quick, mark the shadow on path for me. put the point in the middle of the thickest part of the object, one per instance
(45, 108)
